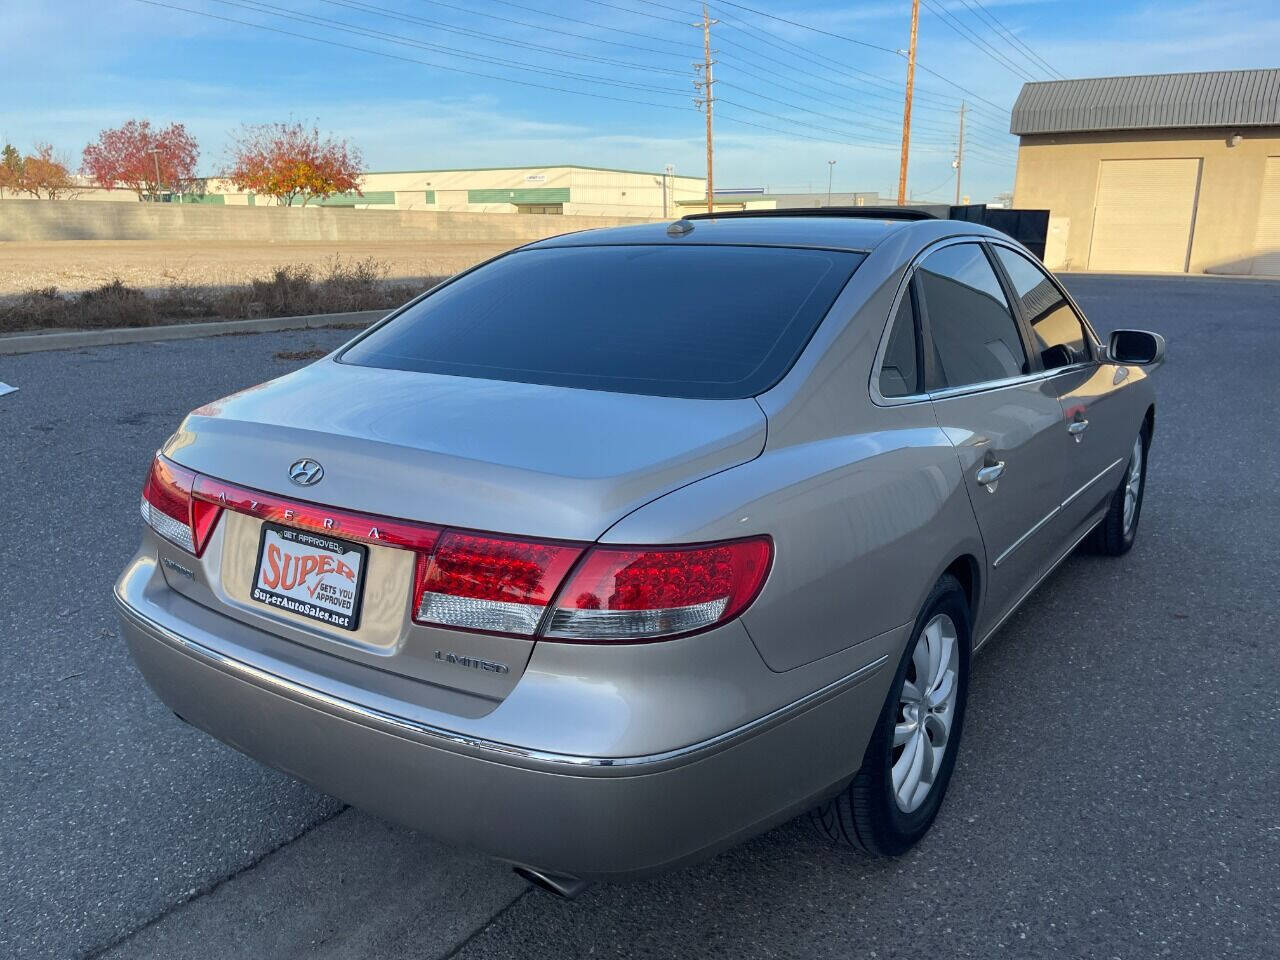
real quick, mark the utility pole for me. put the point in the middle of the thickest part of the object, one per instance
(831, 165)
(906, 103)
(155, 155)
(667, 185)
(960, 152)
(708, 98)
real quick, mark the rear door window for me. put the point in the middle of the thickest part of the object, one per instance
(974, 335)
(713, 322)
(1058, 333)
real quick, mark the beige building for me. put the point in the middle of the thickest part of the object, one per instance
(1173, 173)
(567, 189)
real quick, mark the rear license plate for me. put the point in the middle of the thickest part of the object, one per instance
(310, 574)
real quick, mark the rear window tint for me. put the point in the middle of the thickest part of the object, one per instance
(713, 322)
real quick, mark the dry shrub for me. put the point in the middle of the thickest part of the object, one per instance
(341, 286)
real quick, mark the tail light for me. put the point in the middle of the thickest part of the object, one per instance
(623, 595)
(629, 594)
(170, 510)
(508, 585)
(490, 583)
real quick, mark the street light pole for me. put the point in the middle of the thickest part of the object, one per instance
(831, 165)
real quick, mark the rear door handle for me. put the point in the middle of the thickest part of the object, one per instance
(1078, 427)
(988, 475)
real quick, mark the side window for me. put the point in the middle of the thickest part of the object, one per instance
(1059, 335)
(975, 337)
(899, 371)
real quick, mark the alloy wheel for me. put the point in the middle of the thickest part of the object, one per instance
(1133, 486)
(926, 709)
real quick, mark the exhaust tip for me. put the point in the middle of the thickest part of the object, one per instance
(559, 884)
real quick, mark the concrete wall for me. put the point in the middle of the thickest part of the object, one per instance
(1060, 172)
(45, 220)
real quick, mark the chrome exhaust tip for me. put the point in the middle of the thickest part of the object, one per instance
(562, 885)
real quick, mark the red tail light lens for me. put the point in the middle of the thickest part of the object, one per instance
(631, 594)
(168, 507)
(497, 584)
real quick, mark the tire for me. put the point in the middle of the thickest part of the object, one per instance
(869, 814)
(1113, 536)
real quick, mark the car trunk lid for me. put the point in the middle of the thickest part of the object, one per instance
(524, 460)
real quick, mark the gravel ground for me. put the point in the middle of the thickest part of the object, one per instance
(1115, 795)
(76, 265)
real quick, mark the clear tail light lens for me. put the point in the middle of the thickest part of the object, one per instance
(496, 584)
(635, 594)
(170, 510)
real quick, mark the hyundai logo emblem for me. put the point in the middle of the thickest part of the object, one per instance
(305, 472)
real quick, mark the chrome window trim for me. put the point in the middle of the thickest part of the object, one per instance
(1090, 333)
(874, 383)
(879, 399)
(432, 735)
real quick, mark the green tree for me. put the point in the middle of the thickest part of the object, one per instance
(10, 168)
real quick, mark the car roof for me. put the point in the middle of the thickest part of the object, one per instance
(835, 233)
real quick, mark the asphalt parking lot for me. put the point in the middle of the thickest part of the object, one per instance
(1116, 794)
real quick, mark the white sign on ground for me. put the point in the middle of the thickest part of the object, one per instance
(5, 388)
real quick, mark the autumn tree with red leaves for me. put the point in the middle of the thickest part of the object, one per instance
(290, 162)
(141, 159)
(40, 174)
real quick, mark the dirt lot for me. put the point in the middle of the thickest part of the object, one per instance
(76, 265)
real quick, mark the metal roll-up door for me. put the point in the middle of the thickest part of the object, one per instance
(1266, 243)
(1144, 214)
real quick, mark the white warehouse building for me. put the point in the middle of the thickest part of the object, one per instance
(565, 189)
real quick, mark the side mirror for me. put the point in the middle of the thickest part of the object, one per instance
(1138, 347)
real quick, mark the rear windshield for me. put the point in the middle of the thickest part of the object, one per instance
(713, 322)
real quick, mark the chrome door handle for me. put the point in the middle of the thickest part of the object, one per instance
(987, 476)
(1077, 428)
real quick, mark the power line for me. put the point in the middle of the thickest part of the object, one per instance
(493, 38)
(404, 59)
(861, 43)
(1002, 112)
(998, 24)
(784, 64)
(556, 30)
(260, 6)
(888, 114)
(268, 9)
(378, 35)
(589, 23)
(943, 14)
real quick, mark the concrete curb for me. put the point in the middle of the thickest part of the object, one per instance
(75, 340)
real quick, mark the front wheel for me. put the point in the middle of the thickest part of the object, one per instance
(1115, 534)
(895, 795)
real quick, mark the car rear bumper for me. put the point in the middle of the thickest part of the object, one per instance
(587, 817)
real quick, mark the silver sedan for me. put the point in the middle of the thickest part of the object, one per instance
(628, 544)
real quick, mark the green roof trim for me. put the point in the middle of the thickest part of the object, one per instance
(520, 195)
(354, 199)
(548, 166)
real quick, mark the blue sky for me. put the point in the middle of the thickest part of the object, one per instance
(70, 68)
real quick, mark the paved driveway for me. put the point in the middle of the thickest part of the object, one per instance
(1116, 796)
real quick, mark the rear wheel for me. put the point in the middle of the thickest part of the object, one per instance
(897, 791)
(1116, 533)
